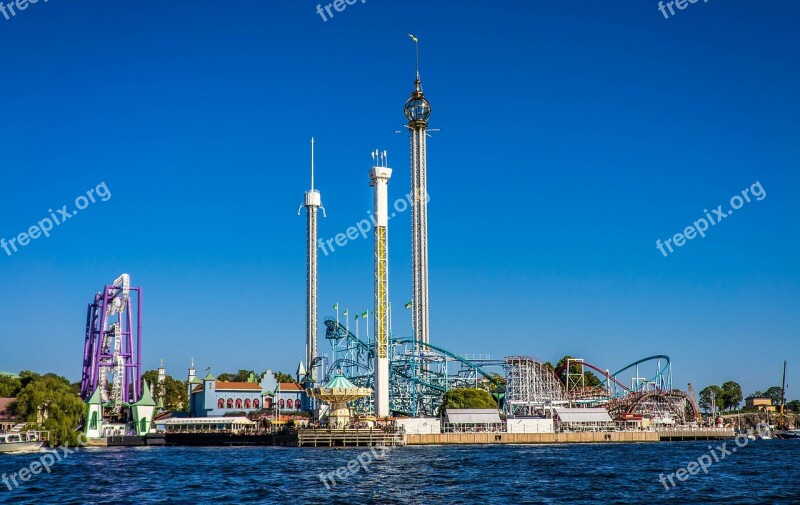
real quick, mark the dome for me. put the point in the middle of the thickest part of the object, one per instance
(417, 107)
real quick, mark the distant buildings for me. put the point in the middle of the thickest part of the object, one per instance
(759, 403)
(212, 398)
(7, 419)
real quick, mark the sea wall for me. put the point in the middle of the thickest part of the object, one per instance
(531, 438)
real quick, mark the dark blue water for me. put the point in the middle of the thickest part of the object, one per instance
(763, 472)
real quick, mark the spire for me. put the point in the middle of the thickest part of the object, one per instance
(147, 397)
(312, 163)
(95, 398)
(416, 46)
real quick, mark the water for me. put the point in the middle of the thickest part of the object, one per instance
(763, 472)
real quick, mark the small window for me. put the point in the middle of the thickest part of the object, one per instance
(239, 403)
(230, 403)
(255, 404)
(247, 403)
(281, 403)
(221, 403)
(289, 404)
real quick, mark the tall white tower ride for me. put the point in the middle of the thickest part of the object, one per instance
(379, 180)
(313, 201)
(418, 110)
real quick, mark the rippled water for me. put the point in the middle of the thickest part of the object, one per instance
(763, 472)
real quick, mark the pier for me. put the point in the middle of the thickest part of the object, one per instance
(323, 437)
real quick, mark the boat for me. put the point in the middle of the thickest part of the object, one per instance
(789, 434)
(21, 442)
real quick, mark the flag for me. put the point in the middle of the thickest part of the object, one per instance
(336, 307)
(357, 315)
(344, 314)
(410, 304)
(413, 38)
(365, 314)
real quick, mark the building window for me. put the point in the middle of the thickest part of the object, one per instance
(255, 403)
(230, 403)
(221, 403)
(289, 403)
(281, 403)
(239, 403)
(247, 403)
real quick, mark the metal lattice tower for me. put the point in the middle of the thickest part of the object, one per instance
(379, 180)
(531, 387)
(417, 111)
(313, 202)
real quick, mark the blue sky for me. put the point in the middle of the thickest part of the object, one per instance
(574, 134)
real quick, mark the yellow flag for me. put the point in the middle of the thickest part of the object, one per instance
(413, 38)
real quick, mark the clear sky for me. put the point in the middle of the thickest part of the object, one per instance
(574, 135)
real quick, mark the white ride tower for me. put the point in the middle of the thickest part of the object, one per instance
(379, 180)
(313, 202)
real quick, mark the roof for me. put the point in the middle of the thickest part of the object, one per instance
(147, 397)
(339, 381)
(290, 386)
(472, 416)
(239, 386)
(209, 377)
(197, 389)
(301, 370)
(95, 399)
(209, 420)
(588, 415)
(4, 413)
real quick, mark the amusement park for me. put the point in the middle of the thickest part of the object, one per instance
(399, 383)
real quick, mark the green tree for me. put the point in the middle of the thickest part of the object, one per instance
(590, 380)
(793, 405)
(709, 396)
(51, 403)
(731, 395)
(283, 377)
(467, 398)
(9, 387)
(774, 394)
(240, 376)
(171, 392)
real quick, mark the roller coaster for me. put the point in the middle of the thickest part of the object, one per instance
(113, 345)
(630, 391)
(419, 373)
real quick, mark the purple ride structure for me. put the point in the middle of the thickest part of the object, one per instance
(112, 353)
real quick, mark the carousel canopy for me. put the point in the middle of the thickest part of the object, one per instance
(339, 389)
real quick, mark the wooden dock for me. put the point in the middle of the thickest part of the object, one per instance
(324, 437)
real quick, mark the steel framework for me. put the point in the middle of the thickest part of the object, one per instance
(419, 373)
(417, 111)
(112, 354)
